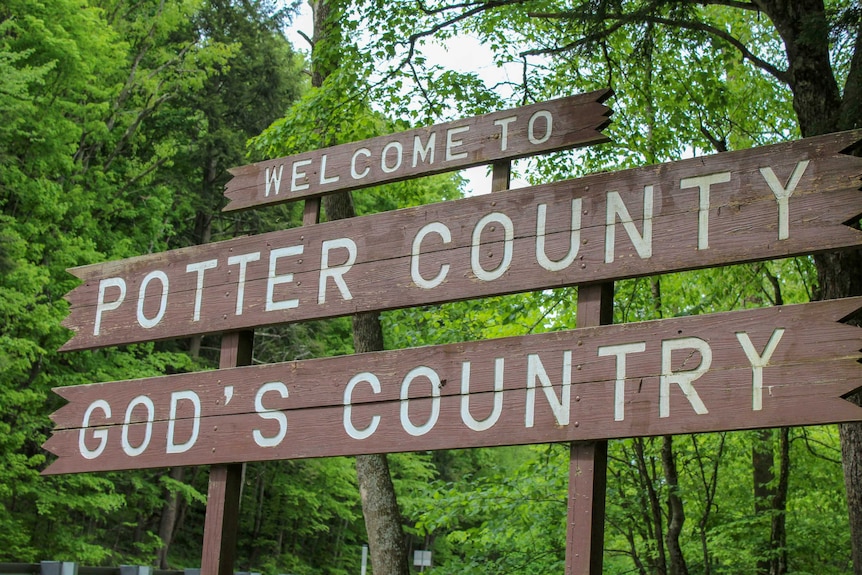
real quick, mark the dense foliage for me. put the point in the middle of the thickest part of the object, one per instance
(118, 120)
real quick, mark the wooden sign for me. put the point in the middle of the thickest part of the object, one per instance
(544, 127)
(759, 368)
(764, 203)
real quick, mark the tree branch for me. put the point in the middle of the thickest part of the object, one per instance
(730, 4)
(306, 38)
(647, 14)
(433, 11)
(780, 75)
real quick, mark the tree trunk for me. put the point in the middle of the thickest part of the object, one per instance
(386, 539)
(803, 26)
(762, 466)
(770, 496)
(658, 560)
(840, 275)
(779, 506)
(168, 520)
(675, 510)
(821, 109)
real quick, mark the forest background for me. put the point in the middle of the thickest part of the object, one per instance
(118, 121)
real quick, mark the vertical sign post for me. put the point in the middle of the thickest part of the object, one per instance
(585, 528)
(225, 486)
(588, 460)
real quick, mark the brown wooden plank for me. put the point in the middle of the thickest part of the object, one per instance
(319, 382)
(320, 433)
(225, 484)
(301, 405)
(588, 470)
(741, 224)
(574, 121)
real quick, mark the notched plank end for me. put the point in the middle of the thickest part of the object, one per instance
(848, 396)
(855, 148)
(851, 313)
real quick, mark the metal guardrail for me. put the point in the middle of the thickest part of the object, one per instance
(72, 568)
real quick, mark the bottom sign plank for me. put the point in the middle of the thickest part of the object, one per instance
(788, 365)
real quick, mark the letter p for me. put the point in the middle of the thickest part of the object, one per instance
(103, 306)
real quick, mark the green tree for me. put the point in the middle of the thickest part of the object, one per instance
(97, 129)
(689, 76)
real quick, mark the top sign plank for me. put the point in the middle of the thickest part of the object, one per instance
(765, 203)
(544, 127)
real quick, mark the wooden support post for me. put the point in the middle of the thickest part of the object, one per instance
(588, 460)
(501, 176)
(311, 212)
(225, 487)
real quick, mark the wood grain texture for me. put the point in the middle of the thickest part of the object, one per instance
(741, 224)
(221, 522)
(588, 461)
(814, 364)
(574, 122)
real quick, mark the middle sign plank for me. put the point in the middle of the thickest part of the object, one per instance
(764, 203)
(769, 367)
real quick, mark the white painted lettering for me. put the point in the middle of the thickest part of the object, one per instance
(163, 302)
(353, 173)
(531, 127)
(274, 414)
(148, 429)
(243, 261)
(466, 416)
(560, 407)
(273, 180)
(324, 179)
(371, 379)
(399, 156)
(574, 238)
(102, 306)
(620, 352)
(296, 176)
(683, 378)
(100, 434)
(758, 362)
(504, 131)
(431, 375)
(337, 272)
(200, 268)
(274, 280)
(782, 194)
(426, 152)
(176, 397)
(446, 235)
(616, 207)
(508, 246)
(453, 143)
(703, 183)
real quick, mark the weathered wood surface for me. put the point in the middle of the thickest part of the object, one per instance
(588, 461)
(218, 553)
(327, 407)
(402, 259)
(544, 127)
